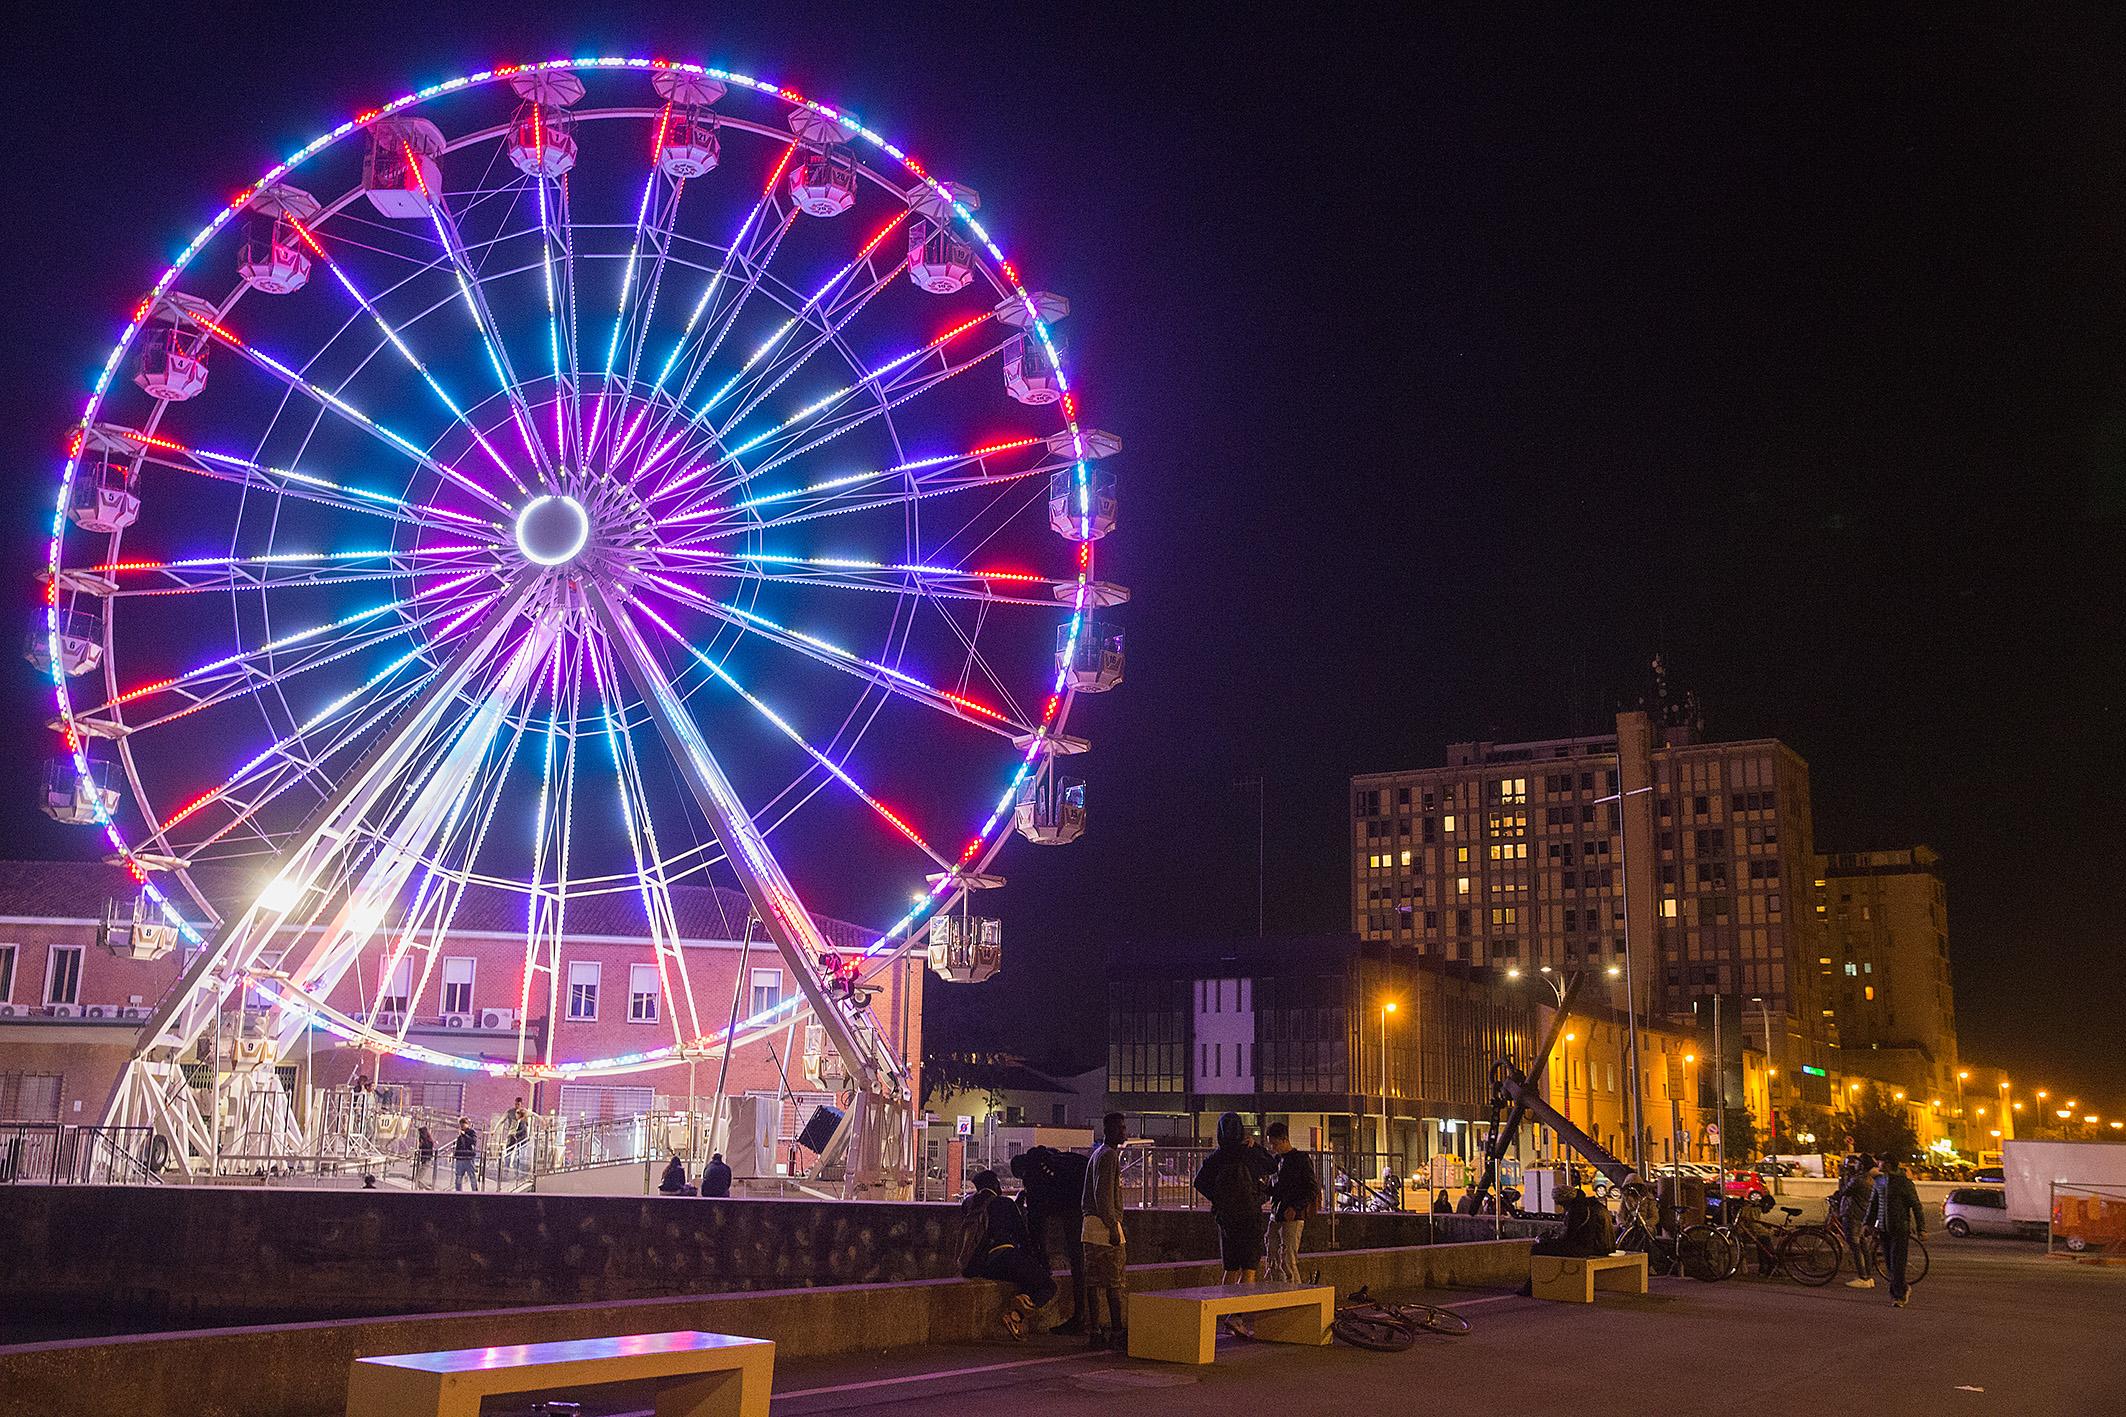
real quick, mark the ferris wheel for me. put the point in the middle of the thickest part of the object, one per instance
(587, 478)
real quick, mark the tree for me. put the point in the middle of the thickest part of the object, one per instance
(1738, 1130)
(1880, 1125)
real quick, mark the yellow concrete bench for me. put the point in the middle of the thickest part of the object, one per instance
(1573, 1280)
(1179, 1325)
(697, 1375)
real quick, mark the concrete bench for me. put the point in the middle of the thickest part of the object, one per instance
(1179, 1325)
(1573, 1280)
(696, 1375)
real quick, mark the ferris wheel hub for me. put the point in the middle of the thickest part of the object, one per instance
(552, 529)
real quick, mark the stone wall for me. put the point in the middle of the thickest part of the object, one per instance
(128, 1259)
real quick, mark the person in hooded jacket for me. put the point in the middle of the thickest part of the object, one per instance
(994, 1245)
(1052, 1188)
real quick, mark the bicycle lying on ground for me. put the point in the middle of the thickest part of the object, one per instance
(1366, 1322)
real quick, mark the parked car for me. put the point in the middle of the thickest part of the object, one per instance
(1747, 1186)
(1977, 1210)
(1990, 1176)
(1769, 1167)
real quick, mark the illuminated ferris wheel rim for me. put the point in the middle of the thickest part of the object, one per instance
(946, 888)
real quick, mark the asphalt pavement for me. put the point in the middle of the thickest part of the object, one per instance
(1996, 1328)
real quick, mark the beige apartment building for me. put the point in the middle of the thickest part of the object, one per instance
(1885, 968)
(1554, 854)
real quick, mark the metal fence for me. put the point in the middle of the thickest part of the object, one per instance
(2087, 1221)
(54, 1153)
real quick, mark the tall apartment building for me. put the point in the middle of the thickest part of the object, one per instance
(1538, 854)
(1886, 970)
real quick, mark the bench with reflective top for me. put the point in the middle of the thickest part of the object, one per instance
(694, 1374)
(1179, 1325)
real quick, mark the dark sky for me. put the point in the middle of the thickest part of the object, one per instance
(1462, 366)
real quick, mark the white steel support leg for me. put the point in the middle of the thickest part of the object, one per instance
(150, 1090)
(881, 1079)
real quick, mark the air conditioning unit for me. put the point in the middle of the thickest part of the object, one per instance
(498, 1018)
(384, 1020)
(457, 1020)
(63, 1010)
(137, 1013)
(14, 1011)
(100, 1011)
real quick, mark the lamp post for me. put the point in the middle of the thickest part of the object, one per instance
(1387, 1007)
(1963, 1075)
(1631, 998)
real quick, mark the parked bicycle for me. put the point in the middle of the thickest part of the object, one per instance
(1366, 1322)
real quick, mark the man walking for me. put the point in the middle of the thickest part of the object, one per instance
(1106, 1259)
(1856, 1192)
(463, 1153)
(1895, 1212)
(1295, 1191)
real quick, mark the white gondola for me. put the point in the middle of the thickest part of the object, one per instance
(1030, 376)
(938, 261)
(685, 90)
(138, 933)
(690, 147)
(824, 184)
(1090, 522)
(106, 496)
(400, 174)
(171, 366)
(272, 260)
(1050, 810)
(80, 642)
(965, 949)
(542, 141)
(1093, 663)
(76, 798)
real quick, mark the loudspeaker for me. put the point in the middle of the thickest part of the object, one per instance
(819, 1129)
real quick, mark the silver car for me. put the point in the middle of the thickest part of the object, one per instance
(1977, 1210)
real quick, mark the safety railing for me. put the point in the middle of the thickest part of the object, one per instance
(59, 1154)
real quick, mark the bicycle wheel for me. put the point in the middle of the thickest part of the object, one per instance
(1916, 1260)
(1703, 1254)
(1374, 1330)
(1445, 1322)
(1812, 1257)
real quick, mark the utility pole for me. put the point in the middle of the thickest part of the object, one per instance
(1631, 998)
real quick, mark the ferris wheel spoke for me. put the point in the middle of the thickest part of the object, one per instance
(721, 525)
(562, 384)
(844, 573)
(708, 295)
(834, 768)
(255, 574)
(896, 681)
(398, 342)
(325, 398)
(484, 324)
(158, 451)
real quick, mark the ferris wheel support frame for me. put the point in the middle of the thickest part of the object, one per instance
(873, 1144)
(151, 1090)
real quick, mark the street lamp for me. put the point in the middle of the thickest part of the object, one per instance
(1631, 994)
(1386, 1008)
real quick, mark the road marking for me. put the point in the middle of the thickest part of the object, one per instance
(928, 1377)
(1494, 1299)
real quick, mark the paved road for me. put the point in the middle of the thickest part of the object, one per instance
(1995, 1329)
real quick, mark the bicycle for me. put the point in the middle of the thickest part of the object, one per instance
(1916, 1261)
(1807, 1254)
(1365, 1322)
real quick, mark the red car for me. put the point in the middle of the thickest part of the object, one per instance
(1747, 1186)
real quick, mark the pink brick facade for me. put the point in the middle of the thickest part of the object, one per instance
(52, 962)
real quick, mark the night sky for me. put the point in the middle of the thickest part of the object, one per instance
(1461, 371)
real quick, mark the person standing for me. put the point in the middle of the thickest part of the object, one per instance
(516, 1132)
(464, 1153)
(715, 1178)
(1052, 1189)
(1232, 1179)
(1295, 1193)
(1856, 1192)
(1894, 1211)
(424, 1160)
(1104, 1245)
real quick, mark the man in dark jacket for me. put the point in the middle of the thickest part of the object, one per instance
(993, 1245)
(1053, 1184)
(1896, 1213)
(715, 1177)
(1294, 1193)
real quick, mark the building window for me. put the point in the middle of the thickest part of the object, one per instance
(582, 990)
(391, 994)
(62, 981)
(1668, 908)
(30, 1097)
(766, 992)
(1448, 823)
(1461, 885)
(642, 993)
(457, 985)
(7, 973)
